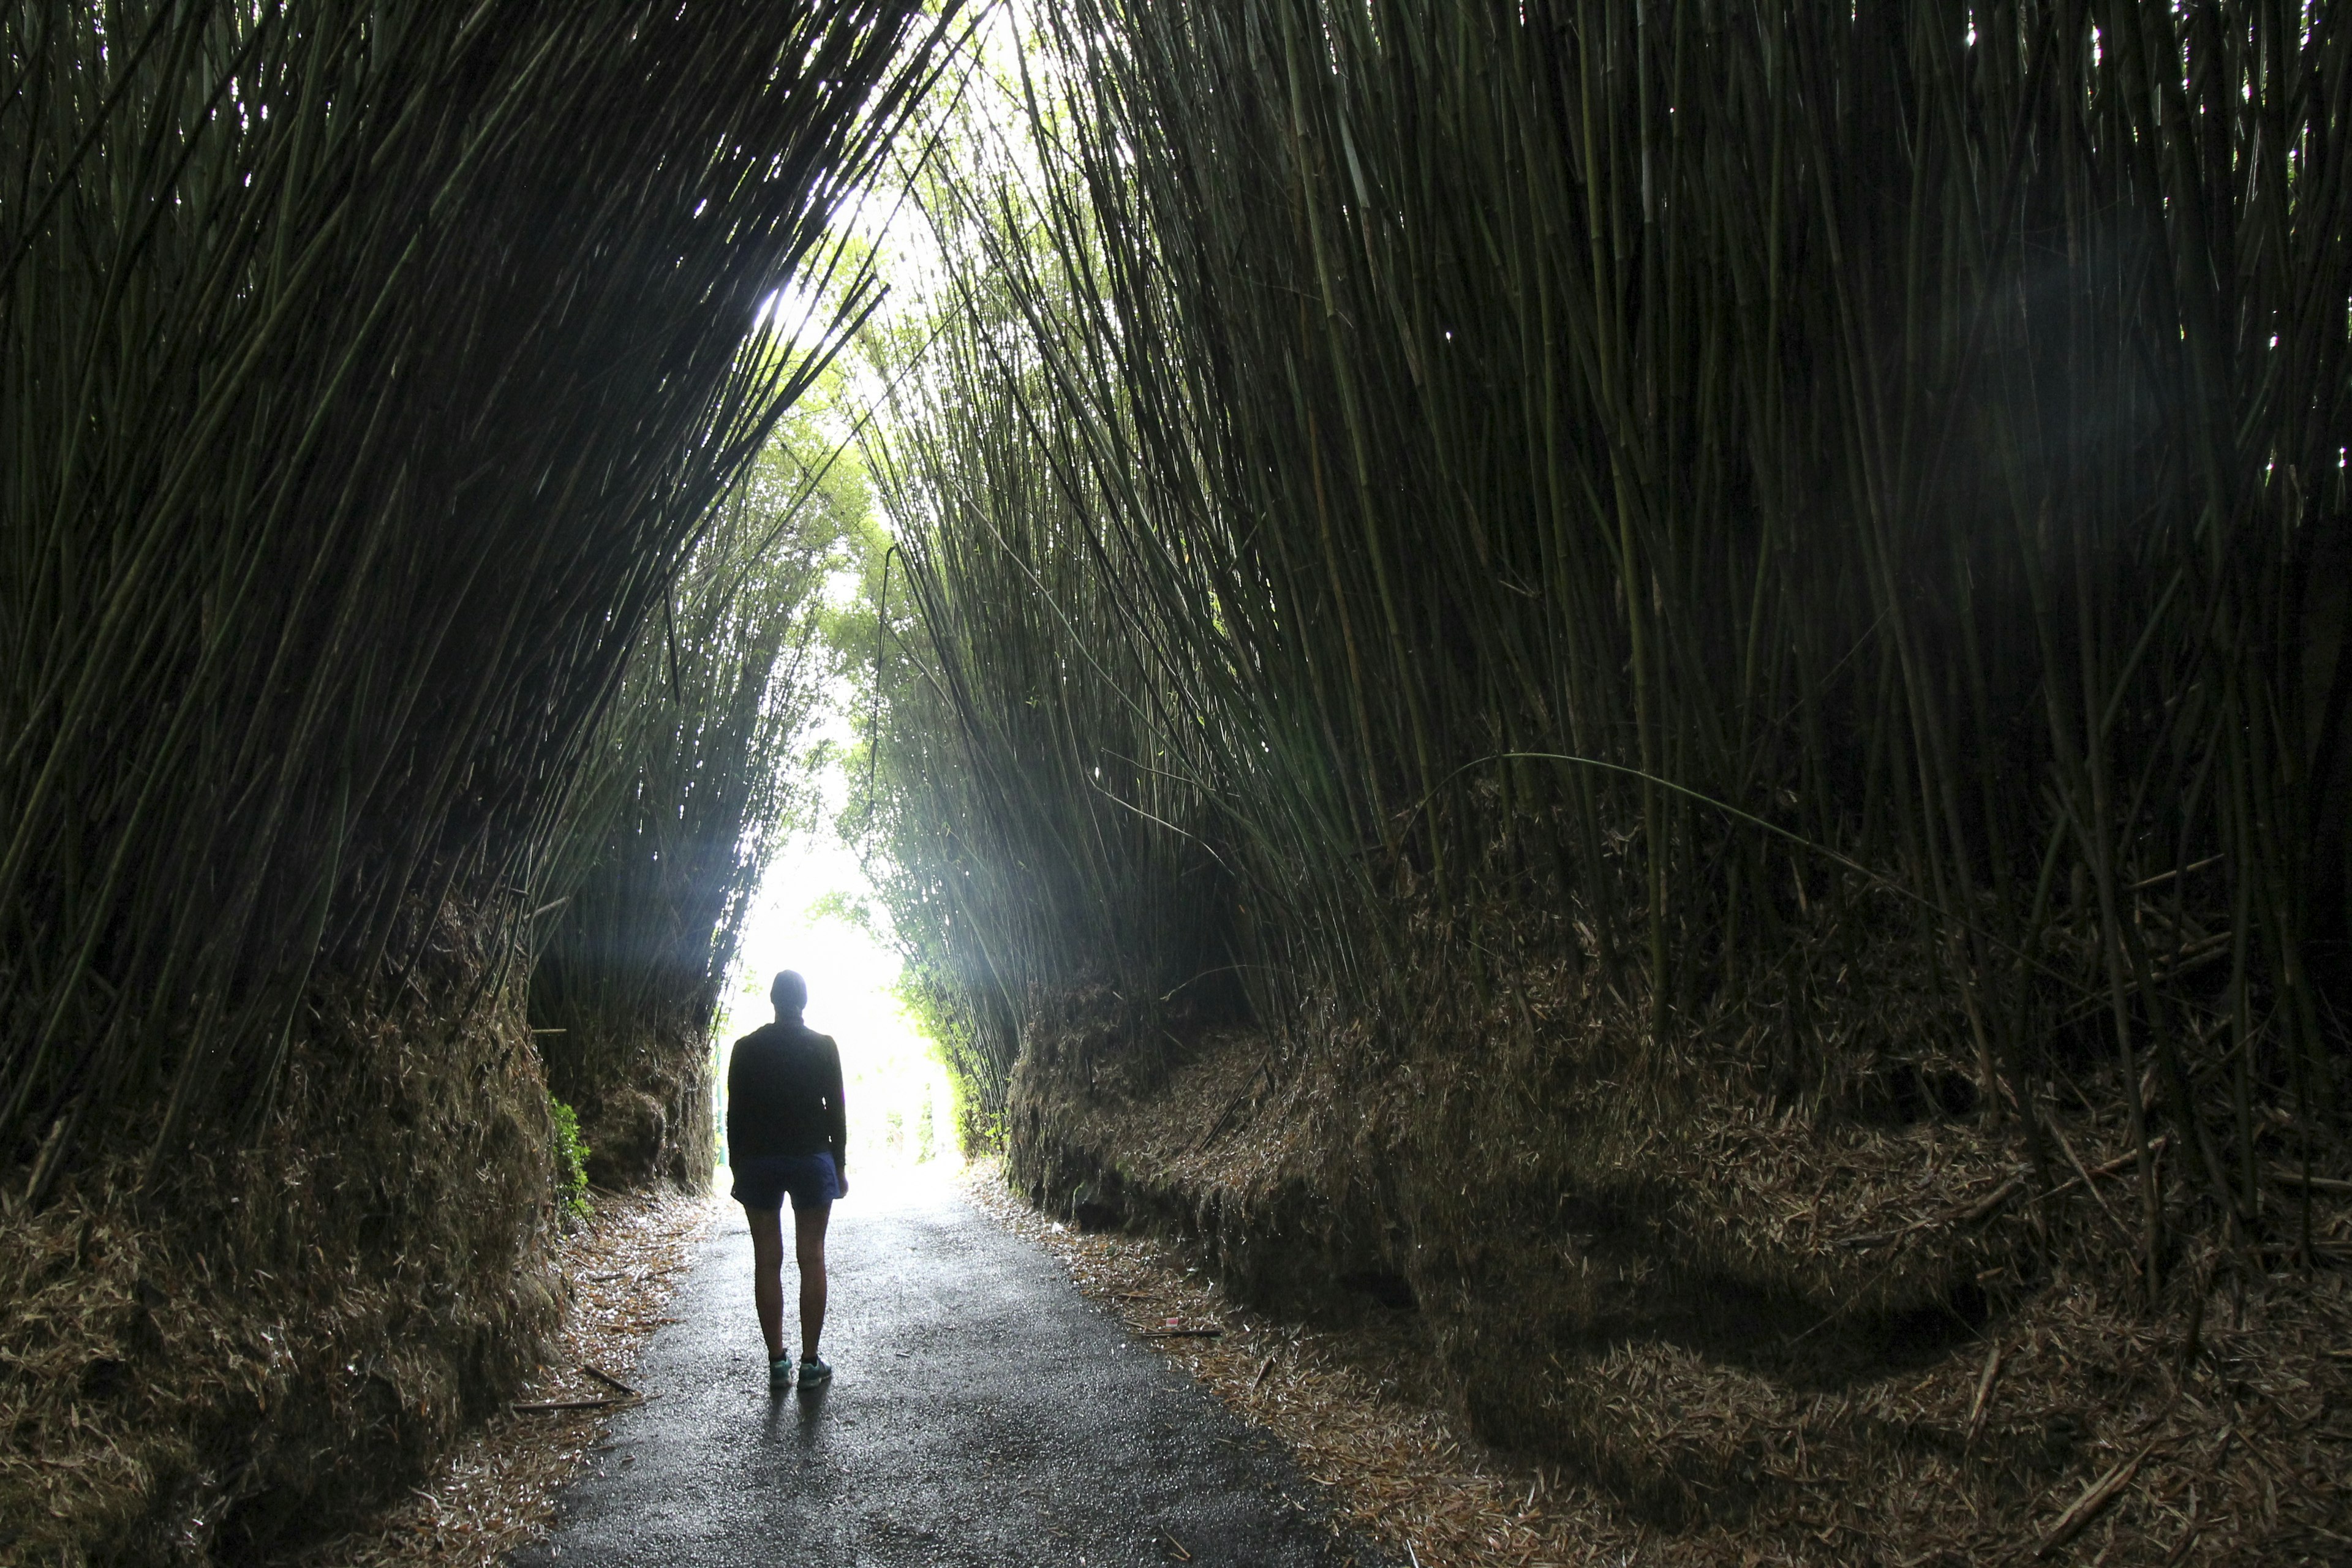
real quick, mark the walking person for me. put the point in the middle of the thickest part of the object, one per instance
(786, 1132)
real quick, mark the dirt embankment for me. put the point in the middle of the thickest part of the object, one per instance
(261, 1343)
(1853, 1325)
(495, 1492)
(641, 1087)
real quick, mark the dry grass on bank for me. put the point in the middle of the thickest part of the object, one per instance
(1406, 1475)
(496, 1492)
(2238, 1464)
(265, 1345)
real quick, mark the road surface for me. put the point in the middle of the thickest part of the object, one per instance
(982, 1413)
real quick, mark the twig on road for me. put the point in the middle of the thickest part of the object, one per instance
(607, 1378)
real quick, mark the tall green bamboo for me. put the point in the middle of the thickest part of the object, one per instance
(698, 772)
(1716, 494)
(368, 370)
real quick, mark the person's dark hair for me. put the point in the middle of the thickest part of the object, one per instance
(790, 993)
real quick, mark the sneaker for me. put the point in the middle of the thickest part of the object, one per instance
(780, 1372)
(814, 1374)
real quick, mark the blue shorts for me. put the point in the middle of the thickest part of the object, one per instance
(761, 1181)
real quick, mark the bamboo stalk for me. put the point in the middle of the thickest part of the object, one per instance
(1753, 407)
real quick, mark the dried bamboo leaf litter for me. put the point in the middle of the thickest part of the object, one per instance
(1989, 1451)
(496, 1491)
(299, 1326)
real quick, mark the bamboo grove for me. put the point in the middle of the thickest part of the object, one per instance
(693, 783)
(1825, 518)
(371, 371)
(384, 386)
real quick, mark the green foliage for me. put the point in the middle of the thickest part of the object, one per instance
(702, 766)
(941, 1013)
(571, 1157)
(847, 908)
(1407, 488)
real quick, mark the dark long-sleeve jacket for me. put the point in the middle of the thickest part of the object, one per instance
(783, 1095)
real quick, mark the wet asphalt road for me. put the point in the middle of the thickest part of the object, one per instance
(982, 1413)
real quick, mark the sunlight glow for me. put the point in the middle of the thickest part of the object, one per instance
(901, 1107)
(794, 312)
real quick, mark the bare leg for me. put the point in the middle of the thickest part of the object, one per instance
(808, 1239)
(767, 1276)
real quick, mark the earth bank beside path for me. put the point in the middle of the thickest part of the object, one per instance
(982, 1413)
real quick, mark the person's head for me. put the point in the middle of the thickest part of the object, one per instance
(790, 994)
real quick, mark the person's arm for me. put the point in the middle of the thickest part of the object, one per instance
(838, 1129)
(734, 1067)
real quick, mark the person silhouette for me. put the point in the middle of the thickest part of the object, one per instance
(787, 1132)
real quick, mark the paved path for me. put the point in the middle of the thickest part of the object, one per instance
(982, 1413)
